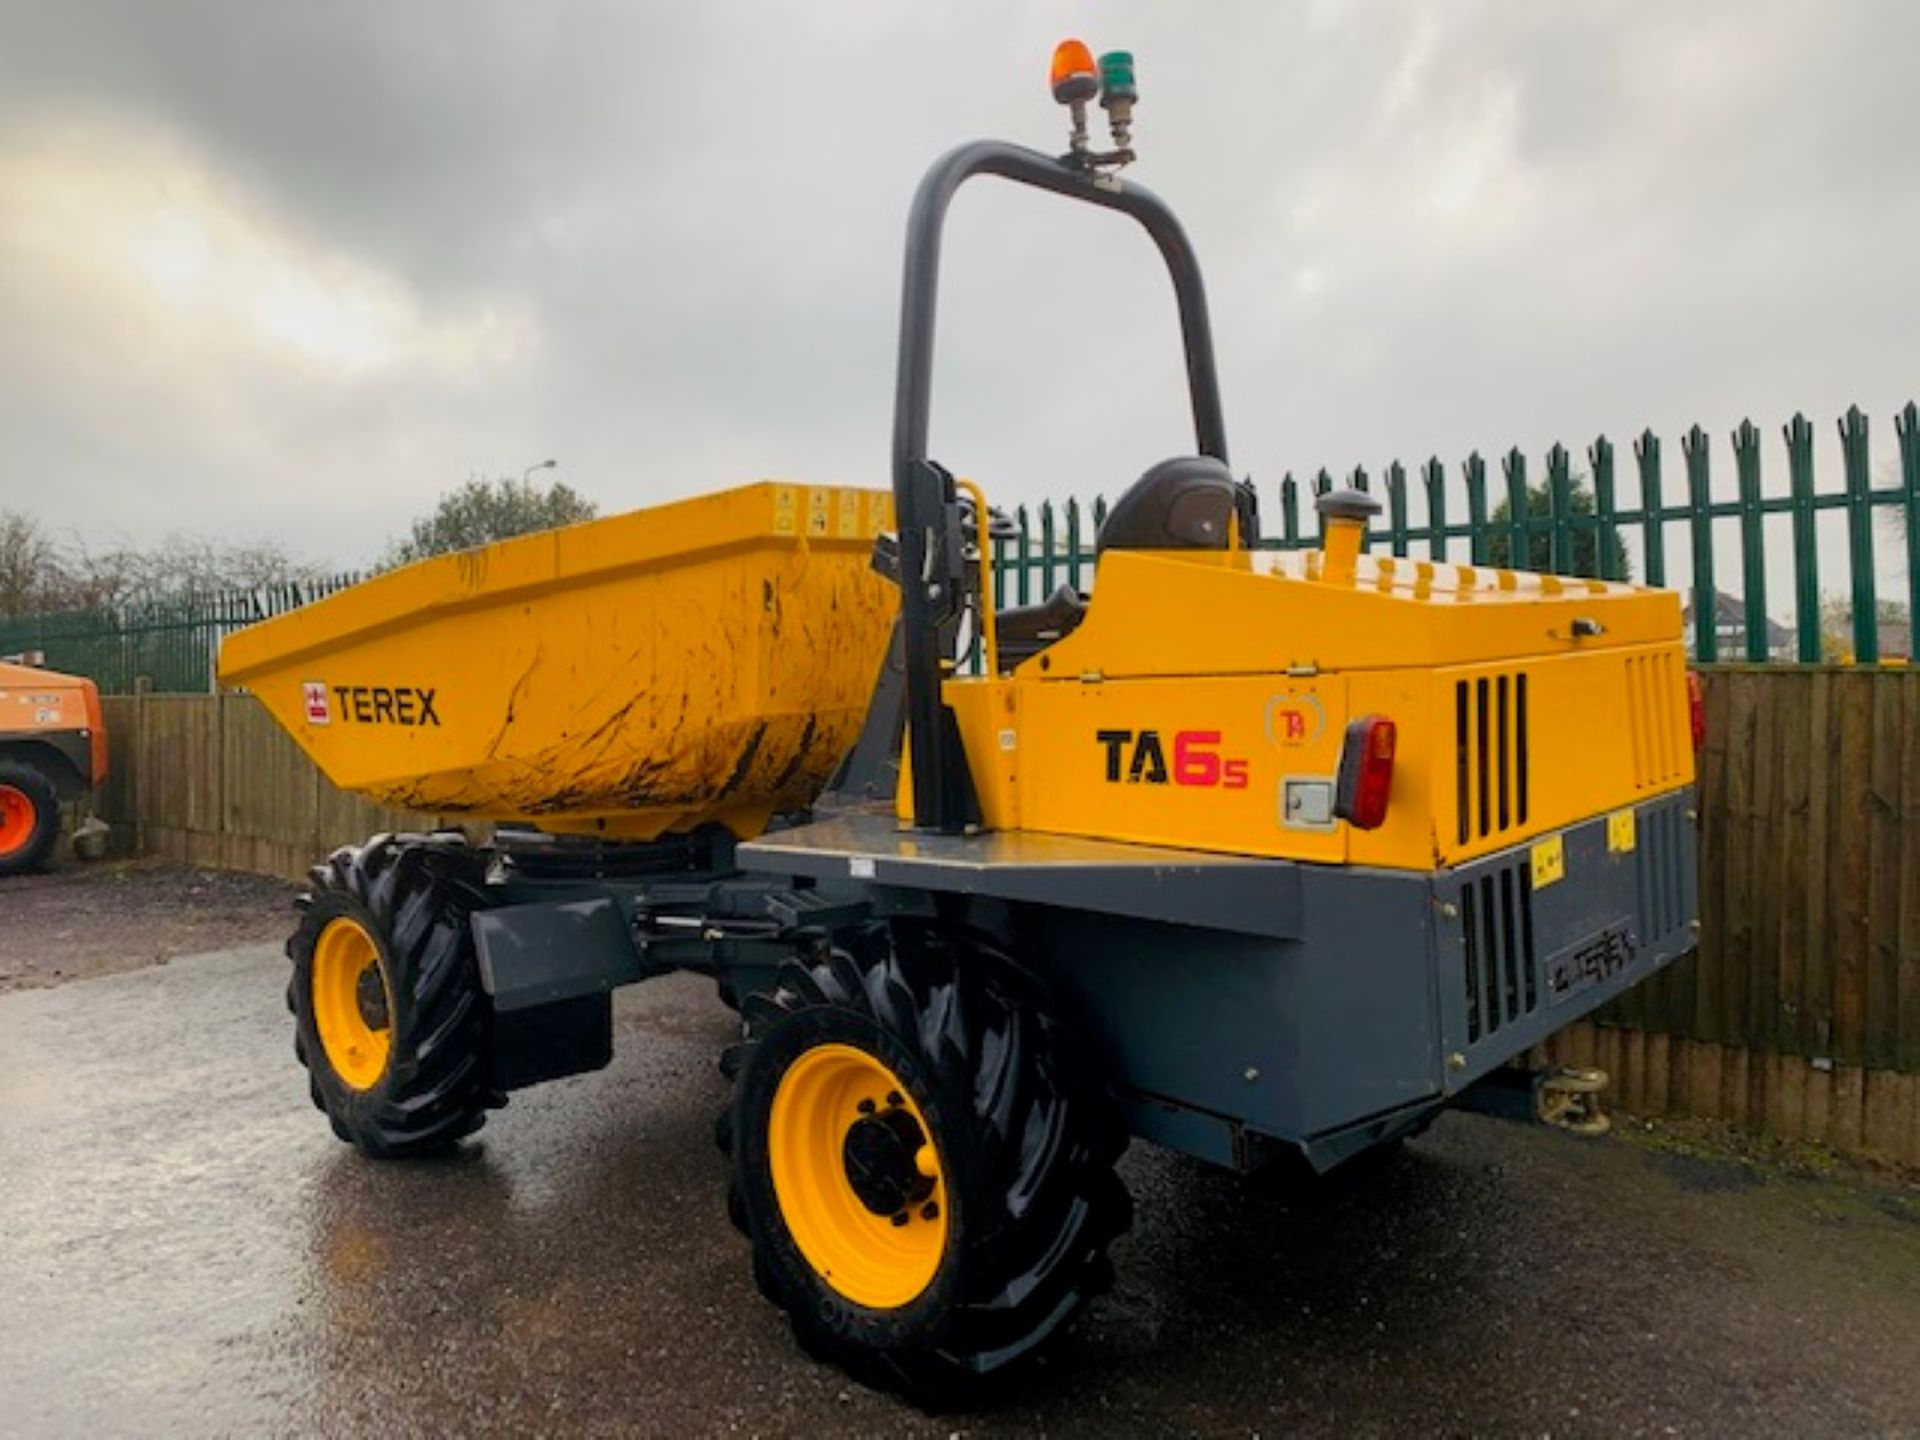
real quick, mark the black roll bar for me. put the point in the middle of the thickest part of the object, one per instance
(923, 493)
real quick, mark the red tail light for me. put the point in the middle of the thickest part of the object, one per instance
(1366, 772)
(1697, 710)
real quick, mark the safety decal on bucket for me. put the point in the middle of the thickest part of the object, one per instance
(316, 697)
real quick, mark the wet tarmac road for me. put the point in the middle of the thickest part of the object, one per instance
(185, 1249)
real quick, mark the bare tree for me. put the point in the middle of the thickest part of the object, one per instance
(180, 565)
(40, 574)
(32, 571)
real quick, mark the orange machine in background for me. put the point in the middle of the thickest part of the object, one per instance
(53, 748)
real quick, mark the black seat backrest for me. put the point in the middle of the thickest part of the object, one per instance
(1185, 503)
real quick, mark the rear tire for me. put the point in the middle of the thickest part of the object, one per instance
(390, 1018)
(940, 1281)
(29, 818)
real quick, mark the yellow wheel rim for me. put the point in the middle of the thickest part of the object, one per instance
(858, 1176)
(351, 1003)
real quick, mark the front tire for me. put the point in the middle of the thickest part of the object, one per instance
(29, 818)
(390, 1018)
(922, 1160)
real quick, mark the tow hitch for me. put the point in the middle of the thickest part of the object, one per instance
(1567, 1097)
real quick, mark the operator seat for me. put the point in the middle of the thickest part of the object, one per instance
(1186, 503)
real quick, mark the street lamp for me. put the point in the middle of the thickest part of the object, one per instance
(526, 475)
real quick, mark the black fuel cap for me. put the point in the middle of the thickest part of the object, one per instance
(1347, 505)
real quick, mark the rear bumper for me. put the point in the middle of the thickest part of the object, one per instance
(1515, 962)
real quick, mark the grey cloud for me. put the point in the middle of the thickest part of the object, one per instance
(1428, 228)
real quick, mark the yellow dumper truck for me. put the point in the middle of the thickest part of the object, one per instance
(1254, 855)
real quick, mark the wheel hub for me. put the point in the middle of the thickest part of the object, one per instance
(370, 994)
(879, 1154)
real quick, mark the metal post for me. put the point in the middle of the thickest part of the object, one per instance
(1519, 530)
(1906, 425)
(1435, 476)
(1047, 581)
(1397, 507)
(1866, 620)
(1806, 556)
(1646, 454)
(1560, 512)
(1476, 472)
(1026, 554)
(1600, 458)
(1753, 556)
(1696, 448)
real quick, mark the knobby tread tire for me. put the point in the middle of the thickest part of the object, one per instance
(35, 784)
(1028, 1138)
(414, 894)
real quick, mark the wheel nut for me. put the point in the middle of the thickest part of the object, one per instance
(894, 1099)
(867, 1107)
(900, 1219)
(929, 1211)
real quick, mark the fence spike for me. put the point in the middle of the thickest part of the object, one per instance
(1906, 428)
(1697, 450)
(1798, 433)
(1073, 543)
(1022, 519)
(1857, 460)
(1653, 507)
(1476, 476)
(1753, 561)
(1600, 461)
(1435, 476)
(1396, 477)
(1048, 559)
(1560, 512)
(1519, 512)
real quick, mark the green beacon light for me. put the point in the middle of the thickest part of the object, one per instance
(1117, 95)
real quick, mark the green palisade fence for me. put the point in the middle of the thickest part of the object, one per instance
(1562, 521)
(171, 644)
(1555, 521)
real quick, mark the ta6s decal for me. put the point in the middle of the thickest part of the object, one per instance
(1140, 757)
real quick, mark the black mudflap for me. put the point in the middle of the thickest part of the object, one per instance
(550, 970)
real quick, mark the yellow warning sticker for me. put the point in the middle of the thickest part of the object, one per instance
(783, 510)
(816, 512)
(879, 512)
(1549, 861)
(849, 515)
(1620, 832)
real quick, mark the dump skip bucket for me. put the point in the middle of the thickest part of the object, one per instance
(709, 660)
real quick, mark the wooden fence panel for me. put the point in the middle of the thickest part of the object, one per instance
(212, 780)
(1809, 878)
(179, 792)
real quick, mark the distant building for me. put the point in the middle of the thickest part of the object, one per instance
(1730, 630)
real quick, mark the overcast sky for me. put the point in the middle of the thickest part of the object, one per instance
(288, 271)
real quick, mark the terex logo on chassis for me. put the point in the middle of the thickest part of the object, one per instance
(1197, 760)
(370, 704)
